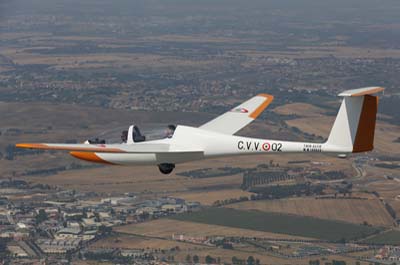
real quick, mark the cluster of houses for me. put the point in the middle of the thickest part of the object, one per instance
(389, 254)
(64, 222)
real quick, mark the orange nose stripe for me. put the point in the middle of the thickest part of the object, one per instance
(90, 156)
(31, 146)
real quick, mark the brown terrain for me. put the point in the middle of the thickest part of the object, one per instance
(356, 211)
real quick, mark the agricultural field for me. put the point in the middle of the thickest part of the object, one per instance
(303, 109)
(124, 241)
(280, 223)
(391, 237)
(355, 211)
(157, 234)
(165, 228)
(209, 197)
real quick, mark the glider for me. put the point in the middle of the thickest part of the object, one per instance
(352, 132)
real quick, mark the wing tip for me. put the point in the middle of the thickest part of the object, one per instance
(265, 95)
(268, 99)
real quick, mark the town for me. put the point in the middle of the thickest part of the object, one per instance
(64, 222)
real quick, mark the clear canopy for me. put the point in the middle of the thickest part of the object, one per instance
(140, 133)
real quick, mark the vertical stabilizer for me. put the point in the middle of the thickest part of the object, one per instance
(354, 127)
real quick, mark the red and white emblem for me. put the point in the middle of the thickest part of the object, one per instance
(241, 110)
(266, 146)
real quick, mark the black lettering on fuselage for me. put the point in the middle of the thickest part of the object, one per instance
(276, 147)
(240, 145)
(248, 145)
(312, 148)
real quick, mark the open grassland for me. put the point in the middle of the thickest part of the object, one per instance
(322, 51)
(165, 228)
(137, 242)
(123, 241)
(303, 109)
(145, 179)
(280, 223)
(320, 127)
(157, 235)
(98, 60)
(209, 197)
(265, 259)
(391, 237)
(385, 135)
(148, 179)
(348, 210)
(387, 189)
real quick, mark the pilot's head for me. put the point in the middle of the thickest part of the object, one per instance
(124, 136)
(170, 130)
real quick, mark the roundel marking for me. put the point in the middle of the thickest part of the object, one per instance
(266, 146)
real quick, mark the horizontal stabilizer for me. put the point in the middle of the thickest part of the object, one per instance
(361, 91)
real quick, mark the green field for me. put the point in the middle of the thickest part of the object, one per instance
(387, 238)
(280, 223)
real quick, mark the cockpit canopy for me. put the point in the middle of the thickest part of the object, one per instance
(134, 134)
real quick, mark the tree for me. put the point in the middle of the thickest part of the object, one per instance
(196, 259)
(188, 258)
(338, 262)
(84, 213)
(250, 260)
(237, 261)
(97, 217)
(3, 247)
(209, 259)
(227, 245)
(41, 217)
(10, 149)
(105, 229)
(68, 256)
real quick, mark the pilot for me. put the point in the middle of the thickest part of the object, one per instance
(124, 136)
(169, 132)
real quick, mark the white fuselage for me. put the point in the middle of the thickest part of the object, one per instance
(189, 144)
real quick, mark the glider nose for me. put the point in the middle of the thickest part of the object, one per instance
(30, 146)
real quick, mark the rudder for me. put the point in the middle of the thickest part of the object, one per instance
(366, 126)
